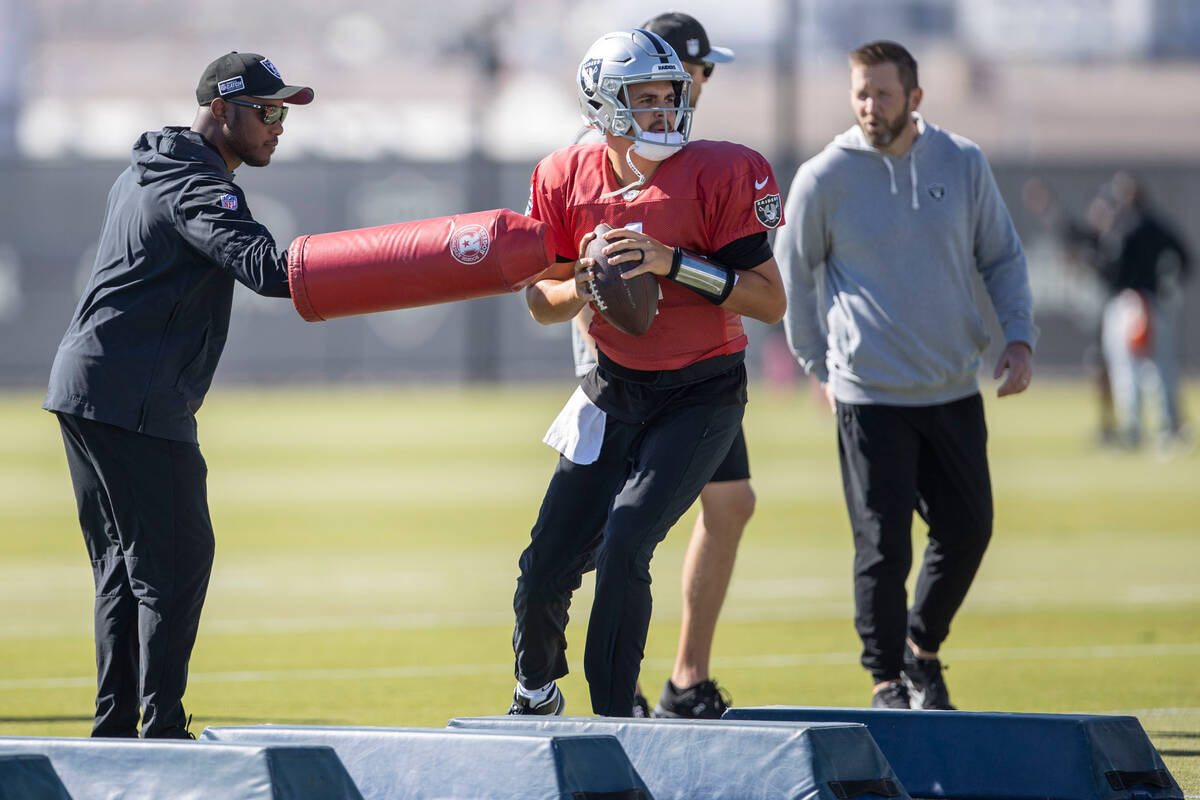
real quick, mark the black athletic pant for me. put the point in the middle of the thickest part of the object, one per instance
(897, 459)
(143, 508)
(648, 474)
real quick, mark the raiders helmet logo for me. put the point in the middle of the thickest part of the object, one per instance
(937, 191)
(589, 75)
(768, 210)
(470, 244)
(269, 67)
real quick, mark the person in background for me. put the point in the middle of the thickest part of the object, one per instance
(1145, 271)
(1081, 241)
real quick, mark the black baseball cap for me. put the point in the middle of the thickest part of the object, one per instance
(237, 73)
(687, 38)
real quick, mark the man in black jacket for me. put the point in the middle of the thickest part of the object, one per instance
(133, 368)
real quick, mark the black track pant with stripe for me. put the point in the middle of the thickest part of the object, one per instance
(143, 508)
(894, 460)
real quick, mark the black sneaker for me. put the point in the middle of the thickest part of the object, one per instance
(704, 700)
(894, 695)
(552, 706)
(181, 732)
(641, 708)
(923, 679)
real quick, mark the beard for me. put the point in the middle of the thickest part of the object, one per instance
(891, 127)
(250, 155)
(254, 160)
(246, 145)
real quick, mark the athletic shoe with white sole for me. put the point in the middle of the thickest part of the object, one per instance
(704, 700)
(923, 679)
(552, 706)
(894, 695)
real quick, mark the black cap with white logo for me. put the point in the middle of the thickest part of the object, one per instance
(235, 74)
(687, 37)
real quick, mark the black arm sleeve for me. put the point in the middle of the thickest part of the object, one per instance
(745, 253)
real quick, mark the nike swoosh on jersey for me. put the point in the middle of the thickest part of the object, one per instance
(759, 184)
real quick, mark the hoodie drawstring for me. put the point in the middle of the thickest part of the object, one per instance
(887, 162)
(912, 175)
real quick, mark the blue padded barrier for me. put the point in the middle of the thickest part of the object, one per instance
(30, 778)
(114, 769)
(717, 760)
(971, 755)
(427, 763)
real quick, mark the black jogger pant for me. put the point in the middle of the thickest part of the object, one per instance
(143, 509)
(646, 477)
(894, 460)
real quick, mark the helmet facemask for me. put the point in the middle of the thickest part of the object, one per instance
(650, 145)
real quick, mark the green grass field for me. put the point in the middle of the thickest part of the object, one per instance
(367, 541)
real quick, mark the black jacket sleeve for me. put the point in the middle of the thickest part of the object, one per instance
(231, 237)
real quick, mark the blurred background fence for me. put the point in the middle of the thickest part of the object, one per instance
(424, 110)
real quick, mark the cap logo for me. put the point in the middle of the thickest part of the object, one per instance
(231, 85)
(693, 48)
(271, 68)
(229, 201)
(470, 244)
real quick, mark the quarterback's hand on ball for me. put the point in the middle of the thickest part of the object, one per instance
(583, 270)
(626, 247)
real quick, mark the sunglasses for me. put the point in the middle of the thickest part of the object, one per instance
(708, 68)
(270, 114)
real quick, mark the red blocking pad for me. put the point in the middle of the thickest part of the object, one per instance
(439, 764)
(720, 760)
(417, 263)
(101, 769)
(989, 755)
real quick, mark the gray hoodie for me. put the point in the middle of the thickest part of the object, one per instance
(877, 262)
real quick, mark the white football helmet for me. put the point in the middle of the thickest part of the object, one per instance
(619, 60)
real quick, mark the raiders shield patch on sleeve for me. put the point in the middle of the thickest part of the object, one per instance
(768, 210)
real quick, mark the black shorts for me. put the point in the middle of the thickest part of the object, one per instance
(736, 466)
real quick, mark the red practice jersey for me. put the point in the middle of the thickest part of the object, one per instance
(702, 198)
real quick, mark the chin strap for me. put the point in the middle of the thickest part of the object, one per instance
(670, 144)
(639, 183)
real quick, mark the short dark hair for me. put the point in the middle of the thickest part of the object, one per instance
(885, 52)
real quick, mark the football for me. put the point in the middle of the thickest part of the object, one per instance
(630, 305)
